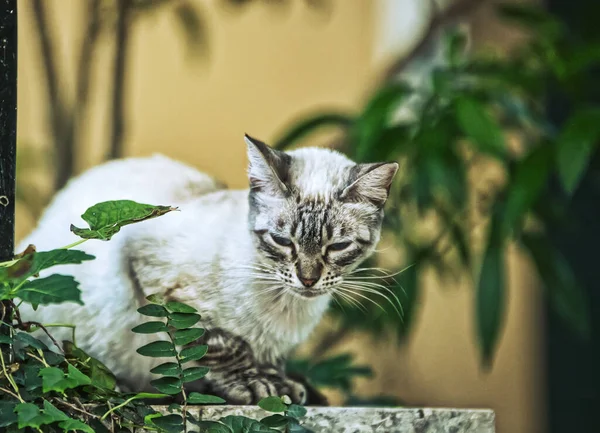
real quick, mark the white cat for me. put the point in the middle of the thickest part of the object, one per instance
(260, 265)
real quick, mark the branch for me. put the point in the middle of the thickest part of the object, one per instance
(455, 11)
(86, 55)
(118, 98)
(64, 155)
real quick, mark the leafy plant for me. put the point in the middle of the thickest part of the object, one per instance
(475, 110)
(65, 389)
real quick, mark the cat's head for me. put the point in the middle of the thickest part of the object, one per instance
(315, 215)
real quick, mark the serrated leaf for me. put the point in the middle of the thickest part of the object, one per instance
(54, 379)
(106, 219)
(150, 328)
(296, 411)
(167, 385)
(171, 423)
(575, 145)
(193, 353)
(272, 404)
(54, 289)
(194, 373)
(477, 124)
(187, 336)
(178, 307)
(32, 263)
(183, 320)
(167, 369)
(75, 425)
(7, 413)
(566, 295)
(197, 398)
(157, 349)
(153, 310)
(490, 296)
(311, 124)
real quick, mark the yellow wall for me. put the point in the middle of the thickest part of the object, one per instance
(267, 66)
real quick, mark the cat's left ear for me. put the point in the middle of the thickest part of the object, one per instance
(370, 182)
(268, 169)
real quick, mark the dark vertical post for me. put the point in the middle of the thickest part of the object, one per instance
(8, 132)
(573, 365)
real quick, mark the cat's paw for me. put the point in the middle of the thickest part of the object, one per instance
(251, 390)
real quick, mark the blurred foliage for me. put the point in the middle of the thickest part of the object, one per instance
(482, 109)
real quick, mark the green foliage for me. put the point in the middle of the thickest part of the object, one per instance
(106, 219)
(476, 107)
(65, 389)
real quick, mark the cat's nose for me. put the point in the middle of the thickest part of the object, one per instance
(308, 282)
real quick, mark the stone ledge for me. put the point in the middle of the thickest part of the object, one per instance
(367, 420)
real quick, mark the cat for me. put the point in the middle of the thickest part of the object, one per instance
(260, 265)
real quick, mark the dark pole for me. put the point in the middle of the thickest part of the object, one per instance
(8, 133)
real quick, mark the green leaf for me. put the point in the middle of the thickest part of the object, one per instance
(170, 423)
(197, 398)
(187, 336)
(193, 353)
(376, 117)
(476, 123)
(178, 307)
(30, 341)
(456, 46)
(53, 379)
(296, 411)
(54, 289)
(567, 297)
(490, 296)
(53, 412)
(167, 369)
(167, 385)
(7, 413)
(150, 328)
(33, 263)
(76, 377)
(194, 373)
(153, 310)
(74, 425)
(242, 424)
(99, 373)
(309, 125)
(183, 320)
(6, 339)
(157, 349)
(29, 415)
(276, 421)
(575, 145)
(106, 219)
(530, 177)
(272, 404)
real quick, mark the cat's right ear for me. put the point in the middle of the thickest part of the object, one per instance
(268, 169)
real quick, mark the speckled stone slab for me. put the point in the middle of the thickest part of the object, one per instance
(367, 420)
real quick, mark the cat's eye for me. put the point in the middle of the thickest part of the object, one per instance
(339, 246)
(284, 242)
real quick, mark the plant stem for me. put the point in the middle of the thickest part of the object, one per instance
(183, 394)
(10, 379)
(74, 244)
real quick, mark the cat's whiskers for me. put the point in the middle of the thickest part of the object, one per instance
(356, 287)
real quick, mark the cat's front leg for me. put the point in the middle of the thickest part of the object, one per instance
(236, 376)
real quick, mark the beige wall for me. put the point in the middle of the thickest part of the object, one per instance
(266, 67)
